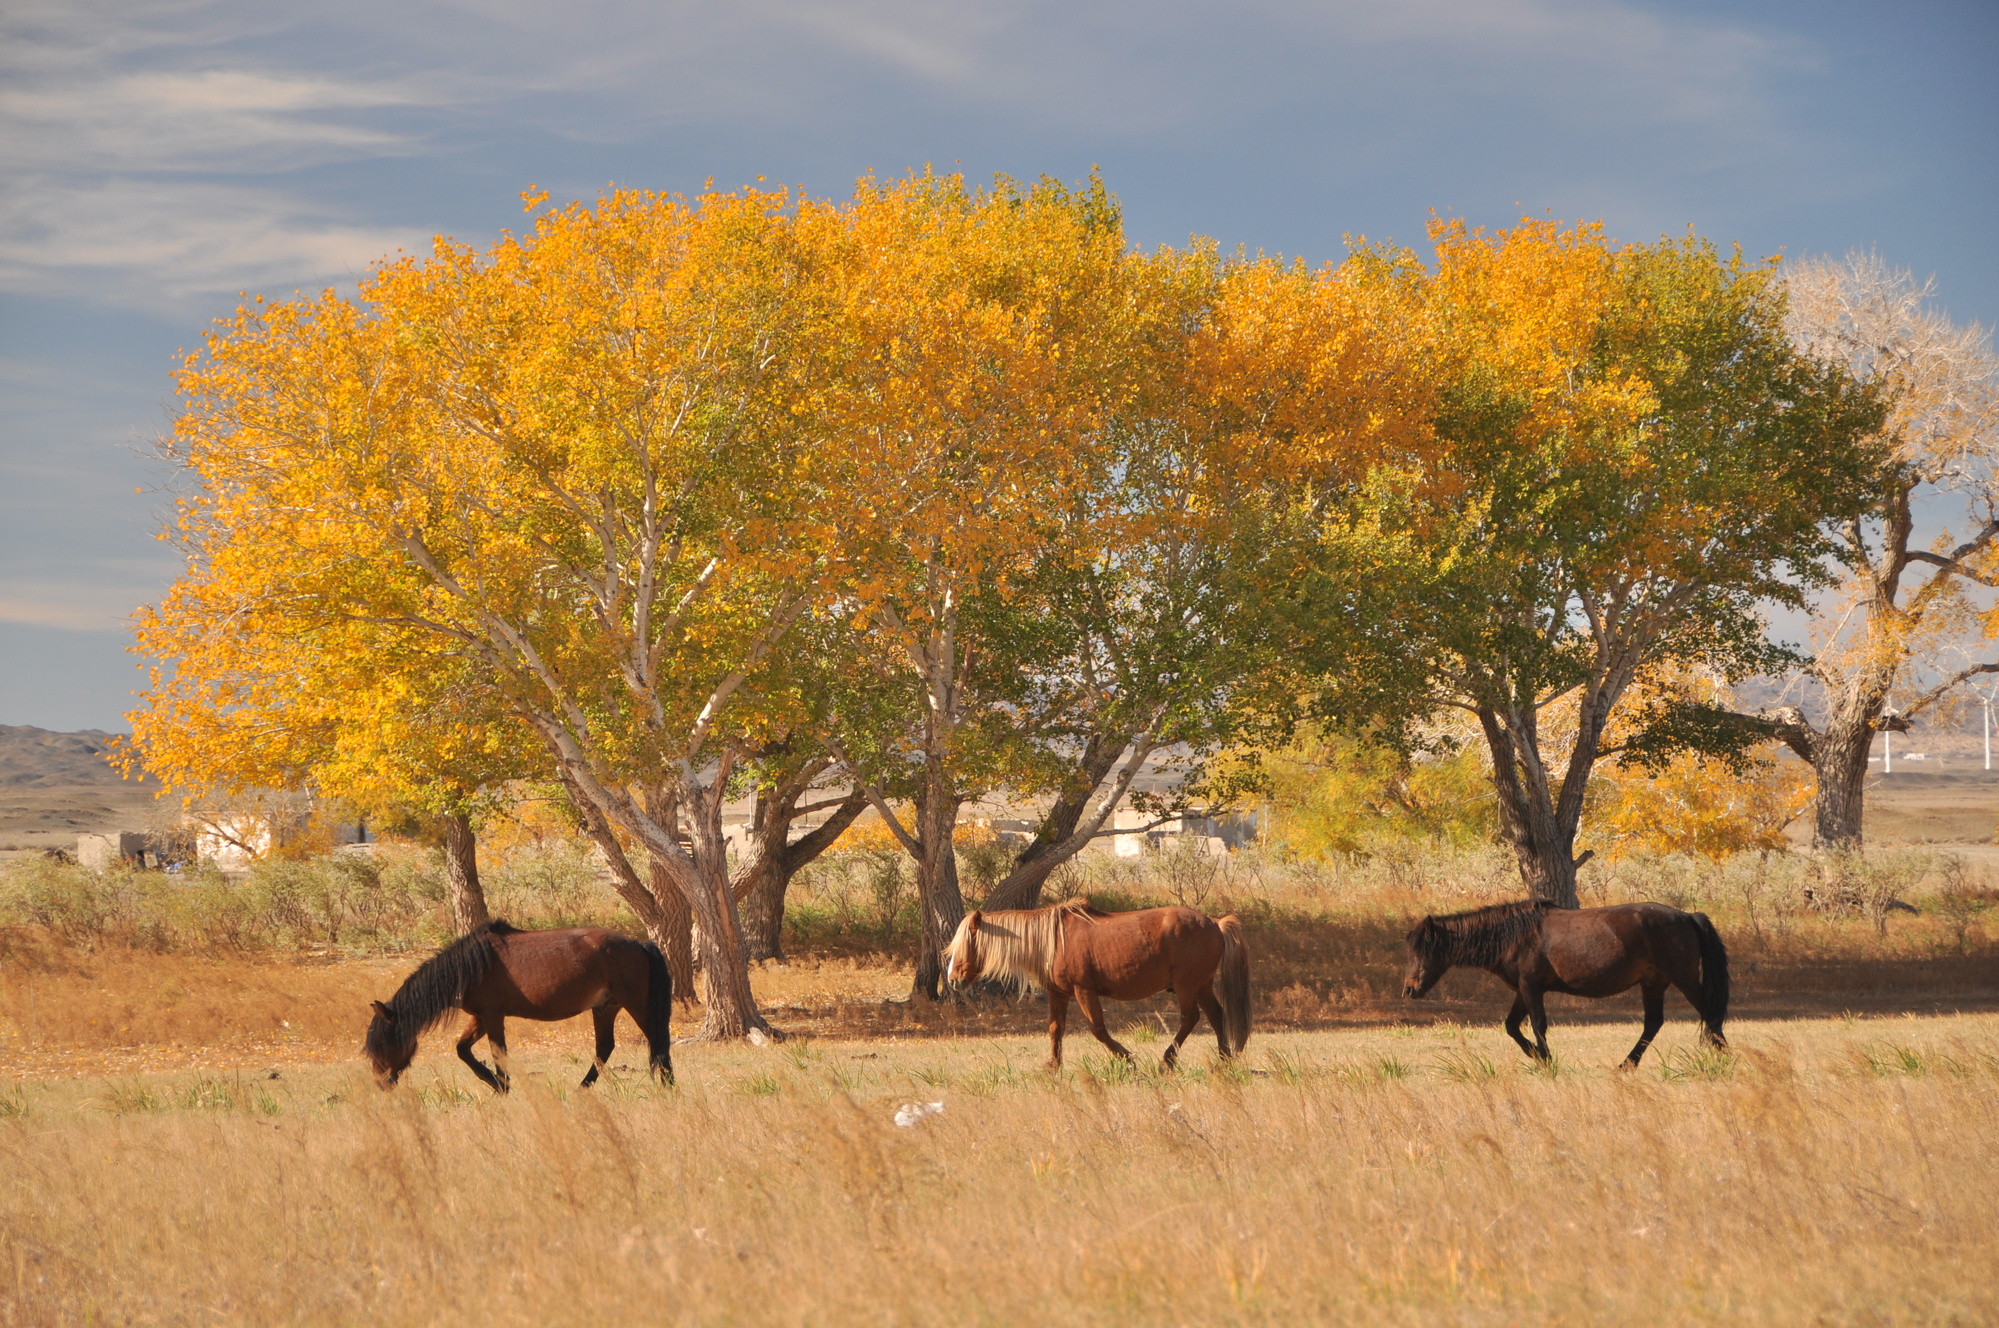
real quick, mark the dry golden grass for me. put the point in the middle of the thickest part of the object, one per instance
(188, 1137)
(1833, 1171)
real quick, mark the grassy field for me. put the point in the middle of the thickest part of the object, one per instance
(186, 1134)
(1829, 1171)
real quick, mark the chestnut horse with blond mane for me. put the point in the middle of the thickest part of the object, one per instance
(1074, 951)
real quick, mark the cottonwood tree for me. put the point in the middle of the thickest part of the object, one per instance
(1249, 372)
(792, 779)
(272, 686)
(975, 340)
(1900, 602)
(578, 459)
(1627, 458)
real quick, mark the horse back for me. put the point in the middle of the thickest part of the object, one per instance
(1590, 950)
(556, 973)
(1138, 953)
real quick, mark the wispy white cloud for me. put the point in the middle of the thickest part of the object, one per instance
(97, 599)
(235, 121)
(150, 148)
(1603, 65)
(164, 244)
(145, 156)
(67, 615)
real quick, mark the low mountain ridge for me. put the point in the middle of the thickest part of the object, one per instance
(32, 758)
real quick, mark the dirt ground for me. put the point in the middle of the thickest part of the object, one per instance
(69, 1015)
(1956, 810)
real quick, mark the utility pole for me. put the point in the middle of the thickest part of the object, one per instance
(1986, 701)
(1888, 744)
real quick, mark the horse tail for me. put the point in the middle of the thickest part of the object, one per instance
(1232, 984)
(659, 1011)
(1714, 976)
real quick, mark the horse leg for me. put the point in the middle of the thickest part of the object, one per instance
(1539, 1017)
(1692, 991)
(607, 1040)
(1093, 1011)
(1655, 1015)
(496, 1037)
(1213, 1009)
(1513, 1018)
(1058, 1017)
(475, 1029)
(1190, 1015)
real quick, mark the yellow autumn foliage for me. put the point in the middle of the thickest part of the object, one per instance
(1699, 808)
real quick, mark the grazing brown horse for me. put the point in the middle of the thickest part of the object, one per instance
(1534, 947)
(1077, 952)
(495, 971)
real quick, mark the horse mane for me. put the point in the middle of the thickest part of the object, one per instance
(1480, 935)
(1020, 945)
(434, 990)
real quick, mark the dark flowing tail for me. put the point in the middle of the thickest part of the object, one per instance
(1232, 985)
(1714, 978)
(659, 1012)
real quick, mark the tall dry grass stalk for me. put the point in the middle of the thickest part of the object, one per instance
(1830, 1173)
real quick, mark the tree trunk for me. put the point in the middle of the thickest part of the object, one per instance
(761, 886)
(1543, 842)
(675, 935)
(697, 876)
(763, 914)
(730, 1007)
(1839, 760)
(461, 874)
(941, 903)
(1021, 887)
(660, 909)
(1838, 756)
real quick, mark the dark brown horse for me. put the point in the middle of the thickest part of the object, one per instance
(495, 971)
(1534, 947)
(1077, 952)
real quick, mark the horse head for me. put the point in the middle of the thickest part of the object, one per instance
(962, 961)
(390, 1047)
(1428, 958)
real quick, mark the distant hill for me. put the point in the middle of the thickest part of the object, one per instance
(55, 786)
(32, 758)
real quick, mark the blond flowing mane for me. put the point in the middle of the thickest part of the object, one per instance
(1017, 945)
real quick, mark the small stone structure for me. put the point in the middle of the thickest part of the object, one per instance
(1219, 835)
(99, 852)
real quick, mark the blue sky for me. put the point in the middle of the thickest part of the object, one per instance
(160, 158)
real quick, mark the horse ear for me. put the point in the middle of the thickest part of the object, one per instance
(973, 918)
(383, 1011)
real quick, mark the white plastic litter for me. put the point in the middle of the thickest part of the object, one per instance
(909, 1113)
